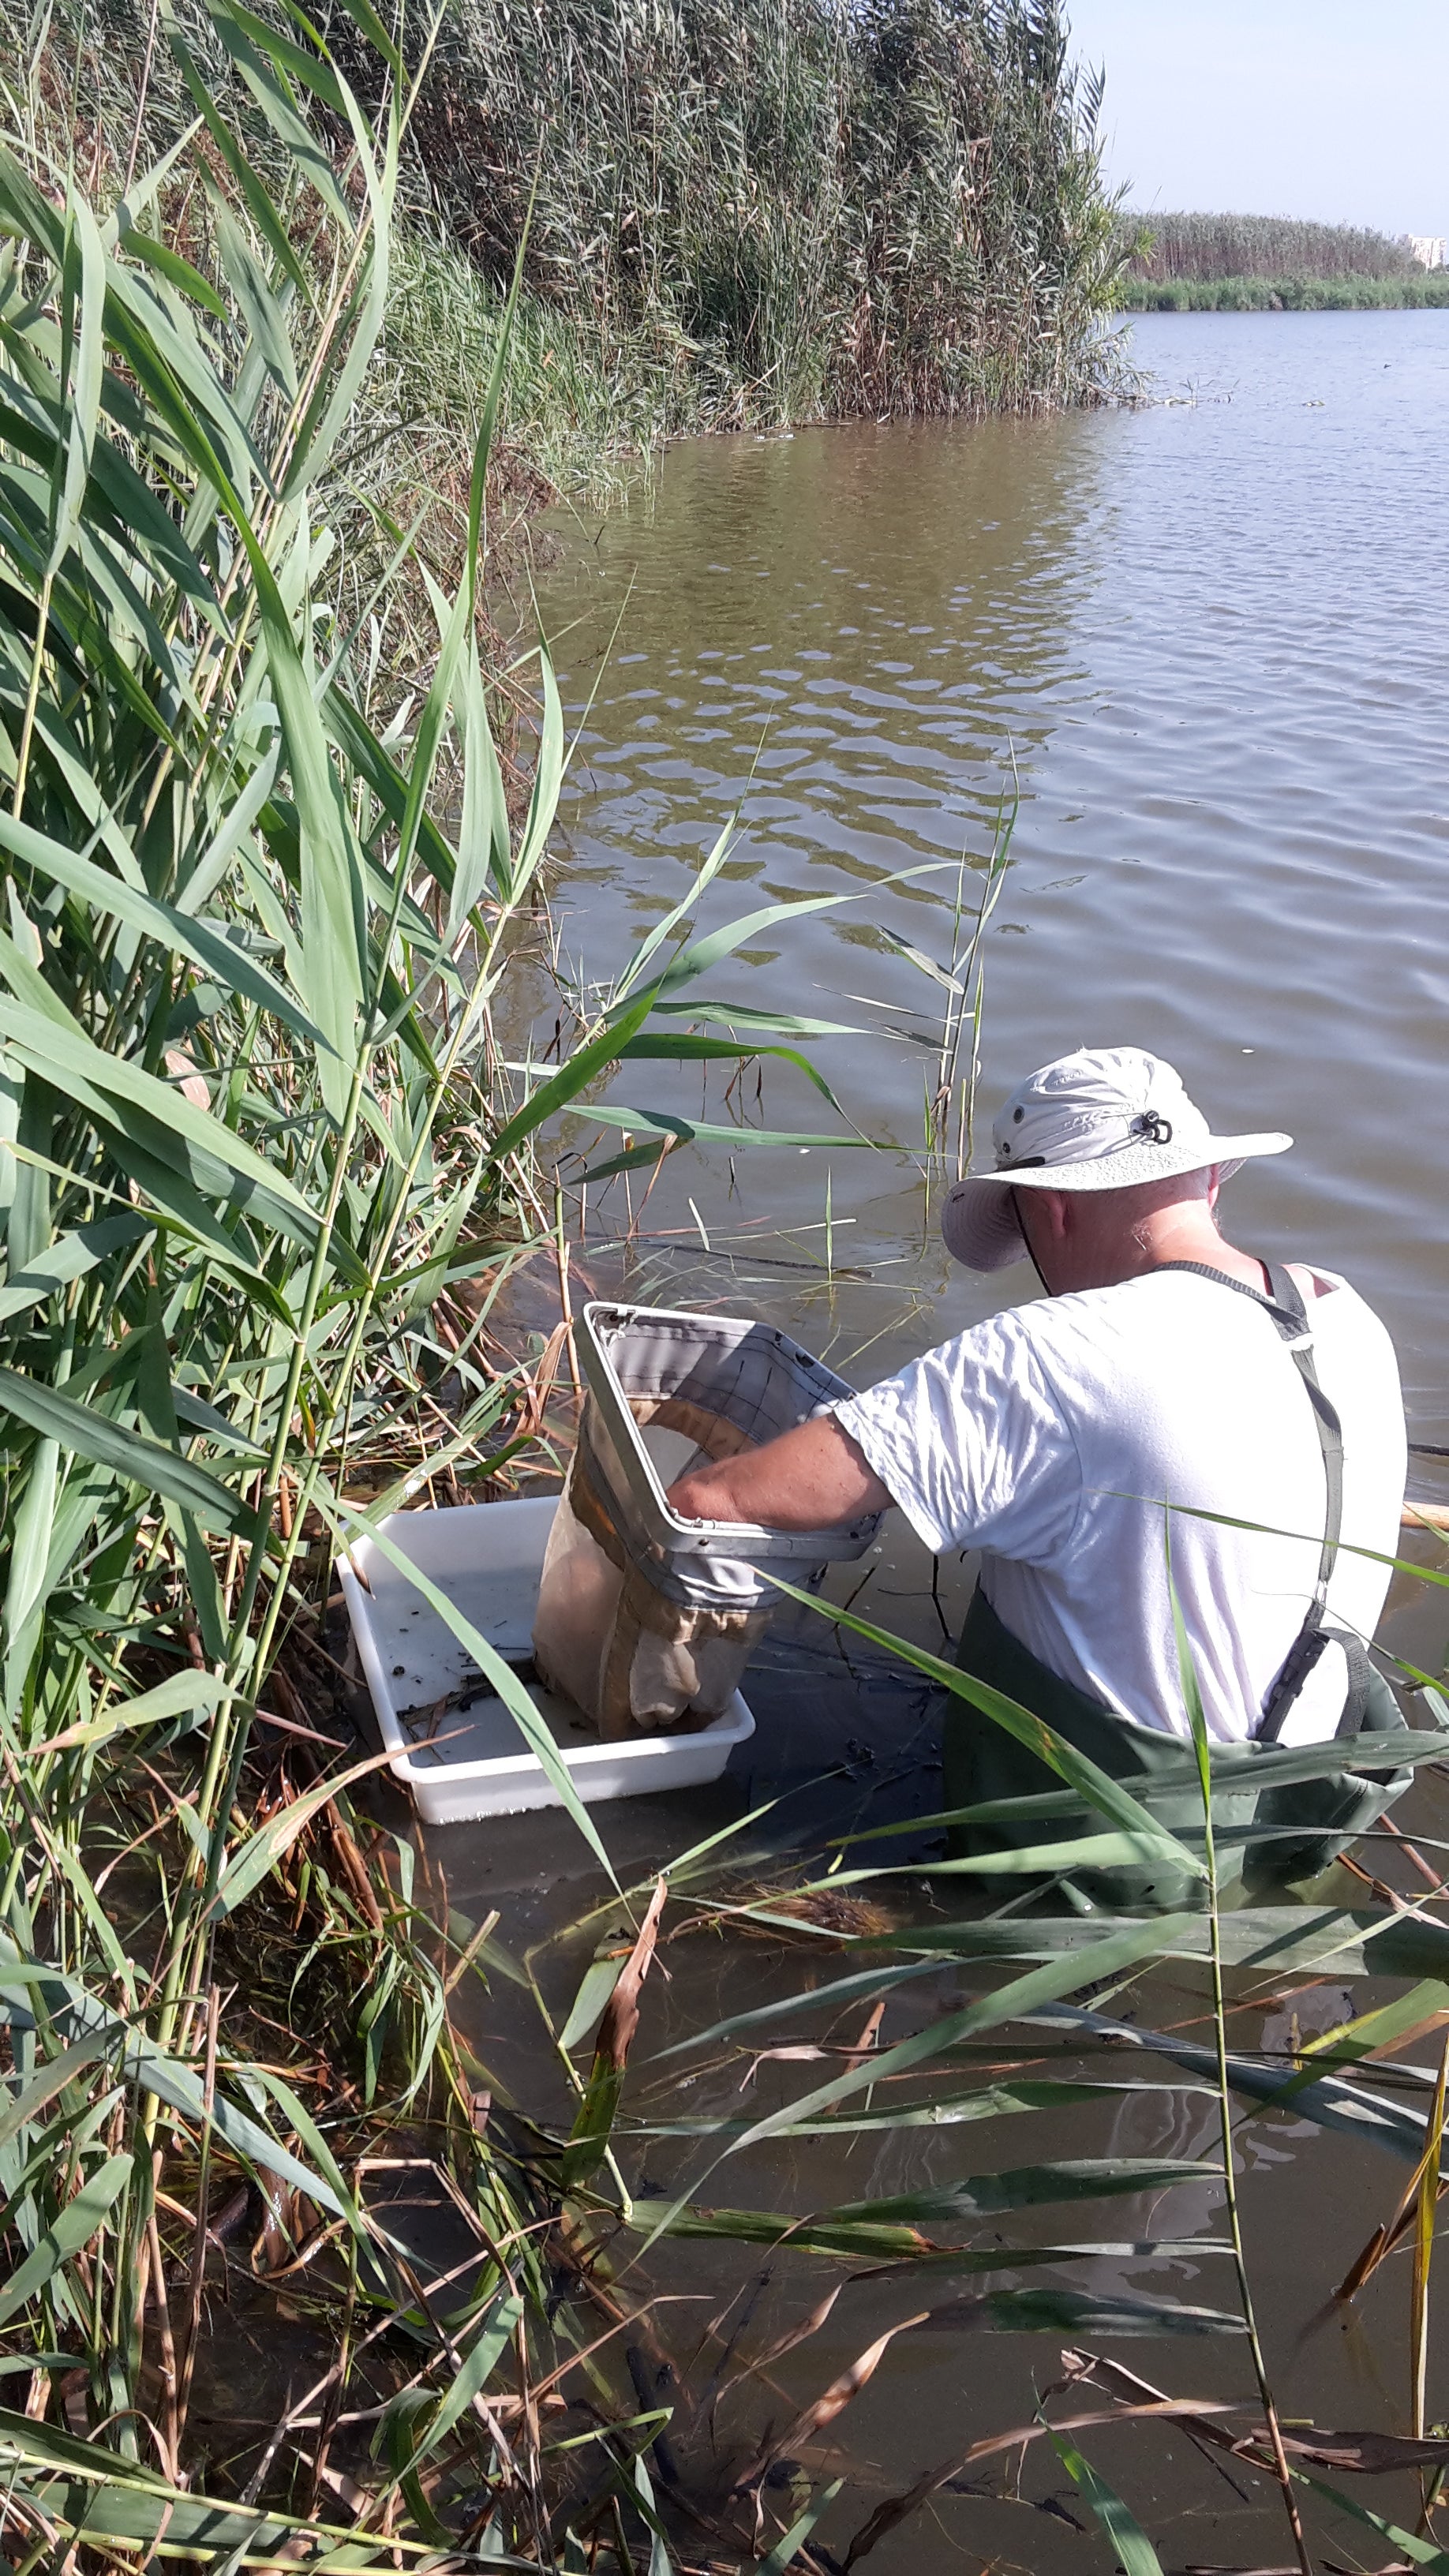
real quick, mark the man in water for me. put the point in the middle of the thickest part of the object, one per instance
(1163, 1368)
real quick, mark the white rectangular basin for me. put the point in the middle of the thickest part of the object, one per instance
(455, 1748)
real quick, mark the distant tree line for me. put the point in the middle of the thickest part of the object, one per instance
(1203, 248)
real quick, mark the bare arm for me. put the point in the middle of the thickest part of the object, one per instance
(809, 1478)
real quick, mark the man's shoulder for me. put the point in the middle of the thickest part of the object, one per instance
(1049, 1343)
(1129, 1328)
(1134, 1330)
(1341, 1317)
(1099, 1314)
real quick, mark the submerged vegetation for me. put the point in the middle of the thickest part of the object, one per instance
(272, 1155)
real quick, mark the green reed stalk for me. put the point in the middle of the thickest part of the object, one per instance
(1198, 1722)
(1425, 2214)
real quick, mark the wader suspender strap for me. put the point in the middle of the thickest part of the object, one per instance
(1290, 1315)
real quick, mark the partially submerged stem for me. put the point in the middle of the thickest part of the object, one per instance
(1225, 2106)
(1424, 2253)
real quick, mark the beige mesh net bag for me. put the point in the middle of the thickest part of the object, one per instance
(644, 1621)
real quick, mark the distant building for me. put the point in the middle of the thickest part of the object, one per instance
(1430, 249)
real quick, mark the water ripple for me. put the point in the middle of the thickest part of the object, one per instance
(1213, 636)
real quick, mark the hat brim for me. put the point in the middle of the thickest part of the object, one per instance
(978, 1220)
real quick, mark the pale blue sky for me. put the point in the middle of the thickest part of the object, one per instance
(1323, 108)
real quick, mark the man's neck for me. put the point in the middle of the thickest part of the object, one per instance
(1081, 1244)
(1190, 1234)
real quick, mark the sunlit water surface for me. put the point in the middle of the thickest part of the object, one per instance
(1210, 635)
(1207, 636)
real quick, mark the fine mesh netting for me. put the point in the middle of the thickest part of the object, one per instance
(646, 1635)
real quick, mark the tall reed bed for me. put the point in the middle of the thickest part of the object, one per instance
(1204, 247)
(741, 214)
(770, 213)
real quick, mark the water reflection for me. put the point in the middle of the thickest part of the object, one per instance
(854, 619)
(1212, 634)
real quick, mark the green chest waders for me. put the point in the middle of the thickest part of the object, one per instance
(982, 1762)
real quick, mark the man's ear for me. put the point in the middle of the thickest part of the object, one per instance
(1061, 1212)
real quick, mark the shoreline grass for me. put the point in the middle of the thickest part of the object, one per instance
(261, 1148)
(1425, 290)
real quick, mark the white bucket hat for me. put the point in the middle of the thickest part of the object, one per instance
(1106, 1118)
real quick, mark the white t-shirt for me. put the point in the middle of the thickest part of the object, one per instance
(1051, 1436)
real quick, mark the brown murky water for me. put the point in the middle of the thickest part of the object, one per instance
(1210, 635)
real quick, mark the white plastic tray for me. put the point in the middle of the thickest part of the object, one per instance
(488, 1558)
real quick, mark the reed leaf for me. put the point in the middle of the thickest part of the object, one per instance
(950, 2110)
(91, 2494)
(1277, 1940)
(1329, 2100)
(790, 2543)
(1135, 2553)
(1413, 2545)
(891, 2228)
(85, 1433)
(1095, 1786)
(77, 2223)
